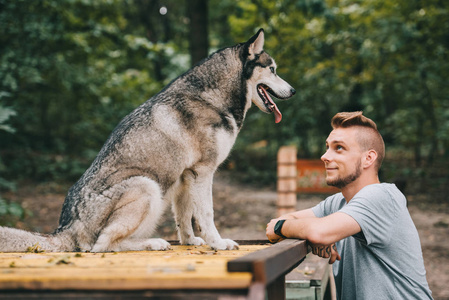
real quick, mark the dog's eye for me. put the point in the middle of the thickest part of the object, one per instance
(272, 70)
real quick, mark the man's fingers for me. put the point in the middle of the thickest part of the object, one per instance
(334, 254)
(321, 251)
(329, 251)
(334, 257)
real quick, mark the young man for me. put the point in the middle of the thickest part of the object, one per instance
(366, 230)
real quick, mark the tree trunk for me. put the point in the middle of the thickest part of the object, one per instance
(197, 11)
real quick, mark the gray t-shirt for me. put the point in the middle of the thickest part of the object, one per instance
(384, 260)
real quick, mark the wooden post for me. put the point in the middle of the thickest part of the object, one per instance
(286, 185)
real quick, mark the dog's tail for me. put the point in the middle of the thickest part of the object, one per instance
(17, 240)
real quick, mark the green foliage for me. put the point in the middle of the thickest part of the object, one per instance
(5, 114)
(10, 213)
(387, 58)
(71, 69)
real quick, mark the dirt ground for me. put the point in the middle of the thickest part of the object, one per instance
(241, 212)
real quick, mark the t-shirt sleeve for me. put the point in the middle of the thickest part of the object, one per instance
(374, 210)
(328, 206)
(318, 209)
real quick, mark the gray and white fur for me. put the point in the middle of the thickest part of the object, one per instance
(165, 151)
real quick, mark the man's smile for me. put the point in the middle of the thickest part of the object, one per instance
(328, 169)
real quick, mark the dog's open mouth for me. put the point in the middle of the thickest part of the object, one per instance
(263, 91)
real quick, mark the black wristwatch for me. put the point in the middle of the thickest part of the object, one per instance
(278, 228)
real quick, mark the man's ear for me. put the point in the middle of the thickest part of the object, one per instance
(370, 158)
(255, 44)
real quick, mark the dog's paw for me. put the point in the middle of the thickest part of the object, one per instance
(157, 245)
(196, 241)
(224, 244)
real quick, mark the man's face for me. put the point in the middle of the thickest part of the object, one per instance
(343, 157)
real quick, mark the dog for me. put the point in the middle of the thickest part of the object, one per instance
(165, 151)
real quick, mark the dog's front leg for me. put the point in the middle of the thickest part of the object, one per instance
(196, 202)
(183, 210)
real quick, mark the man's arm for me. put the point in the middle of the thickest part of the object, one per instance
(306, 213)
(301, 214)
(318, 231)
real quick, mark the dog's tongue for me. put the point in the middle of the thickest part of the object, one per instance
(277, 113)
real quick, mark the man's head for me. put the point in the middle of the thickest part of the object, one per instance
(353, 145)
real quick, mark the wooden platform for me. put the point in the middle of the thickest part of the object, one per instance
(247, 272)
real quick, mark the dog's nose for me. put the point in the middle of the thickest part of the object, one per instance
(293, 91)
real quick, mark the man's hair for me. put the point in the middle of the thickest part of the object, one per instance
(368, 136)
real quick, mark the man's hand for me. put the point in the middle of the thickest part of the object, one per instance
(273, 237)
(329, 251)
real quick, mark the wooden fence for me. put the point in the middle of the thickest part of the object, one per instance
(298, 176)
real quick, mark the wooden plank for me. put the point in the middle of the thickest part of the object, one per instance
(313, 274)
(286, 185)
(183, 267)
(276, 289)
(286, 170)
(126, 295)
(286, 200)
(313, 269)
(184, 270)
(240, 242)
(270, 263)
(287, 155)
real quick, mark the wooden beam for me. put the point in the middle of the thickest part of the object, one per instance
(270, 263)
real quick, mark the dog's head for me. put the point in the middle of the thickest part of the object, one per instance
(261, 78)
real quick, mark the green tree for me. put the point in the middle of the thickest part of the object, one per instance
(388, 58)
(9, 212)
(72, 70)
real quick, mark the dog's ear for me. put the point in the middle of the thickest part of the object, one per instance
(255, 44)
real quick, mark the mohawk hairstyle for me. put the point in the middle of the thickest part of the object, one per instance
(368, 137)
(348, 119)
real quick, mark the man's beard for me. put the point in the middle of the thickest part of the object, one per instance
(340, 182)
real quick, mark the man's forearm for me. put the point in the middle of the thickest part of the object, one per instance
(296, 225)
(321, 231)
(306, 213)
(298, 228)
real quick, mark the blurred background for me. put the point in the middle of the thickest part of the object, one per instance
(70, 70)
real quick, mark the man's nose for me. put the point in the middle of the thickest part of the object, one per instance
(325, 156)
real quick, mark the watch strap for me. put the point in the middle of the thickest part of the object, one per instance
(278, 228)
